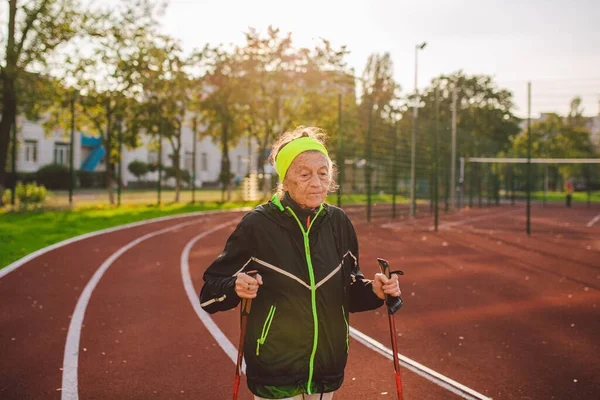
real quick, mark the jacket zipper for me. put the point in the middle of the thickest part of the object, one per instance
(265, 330)
(313, 294)
(347, 329)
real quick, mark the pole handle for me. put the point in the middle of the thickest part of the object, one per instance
(247, 303)
(393, 303)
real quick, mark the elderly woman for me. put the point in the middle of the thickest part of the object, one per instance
(306, 255)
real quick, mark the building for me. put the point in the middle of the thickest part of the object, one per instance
(37, 149)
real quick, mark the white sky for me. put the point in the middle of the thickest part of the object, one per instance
(553, 43)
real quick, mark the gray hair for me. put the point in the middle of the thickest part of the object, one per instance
(303, 131)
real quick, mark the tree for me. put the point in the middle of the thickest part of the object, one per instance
(379, 87)
(35, 30)
(110, 77)
(485, 119)
(575, 117)
(222, 104)
(166, 83)
(380, 94)
(269, 65)
(285, 86)
(323, 76)
(556, 138)
(138, 168)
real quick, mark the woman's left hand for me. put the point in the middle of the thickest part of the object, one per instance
(382, 286)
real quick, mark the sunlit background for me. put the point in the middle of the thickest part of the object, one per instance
(552, 43)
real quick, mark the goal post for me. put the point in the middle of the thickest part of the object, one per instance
(583, 173)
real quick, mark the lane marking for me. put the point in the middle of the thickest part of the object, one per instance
(418, 223)
(208, 322)
(419, 369)
(474, 219)
(593, 221)
(231, 351)
(70, 384)
(11, 267)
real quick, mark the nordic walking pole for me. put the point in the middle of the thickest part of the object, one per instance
(245, 310)
(393, 304)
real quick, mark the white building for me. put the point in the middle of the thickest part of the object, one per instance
(37, 149)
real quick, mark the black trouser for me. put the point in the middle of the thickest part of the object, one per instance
(569, 200)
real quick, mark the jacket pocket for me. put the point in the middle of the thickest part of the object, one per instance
(347, 329)
(265, 329)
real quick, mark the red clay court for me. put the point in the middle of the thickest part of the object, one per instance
(489, 312)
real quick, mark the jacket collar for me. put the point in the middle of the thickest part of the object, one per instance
(282, 205)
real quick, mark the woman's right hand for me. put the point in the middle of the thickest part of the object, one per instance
(246, 286)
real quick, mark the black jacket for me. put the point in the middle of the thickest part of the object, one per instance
(297, 333)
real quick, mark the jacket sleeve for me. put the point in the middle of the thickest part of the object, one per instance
(362, 297)
(218, 291)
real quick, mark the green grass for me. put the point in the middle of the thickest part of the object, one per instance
(561, 196)
(578, 197)
(22, 233)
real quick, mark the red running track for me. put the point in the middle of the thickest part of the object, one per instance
(509, 316)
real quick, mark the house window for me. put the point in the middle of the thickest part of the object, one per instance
(61, 153)
(188, 162)
(204, 161)
(30, 151)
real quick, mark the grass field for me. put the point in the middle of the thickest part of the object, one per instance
(24, 232)
(578, 197)
(560, 196)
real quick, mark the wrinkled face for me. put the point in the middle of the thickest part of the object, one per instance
(308, 179)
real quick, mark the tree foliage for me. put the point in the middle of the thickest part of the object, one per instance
(35, 30)
(556, 137)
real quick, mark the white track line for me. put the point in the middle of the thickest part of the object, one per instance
(413, 223)
(419, 369)
(480, 218)
(231, 351)
(593, 221)
(11, 267)
(70, 384)
(208, 322)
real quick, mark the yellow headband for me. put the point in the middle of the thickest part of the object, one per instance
(290, 151)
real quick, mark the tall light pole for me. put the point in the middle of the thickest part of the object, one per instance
(413, 147)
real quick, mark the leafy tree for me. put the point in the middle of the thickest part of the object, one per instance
(575, 117)
(324, 76)
(138, 168)
(378, 108)
(485, 119)
(286, 86)
(222, 104)
(35, 30)
(110, 79)
(556, 138)
(167, 85)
